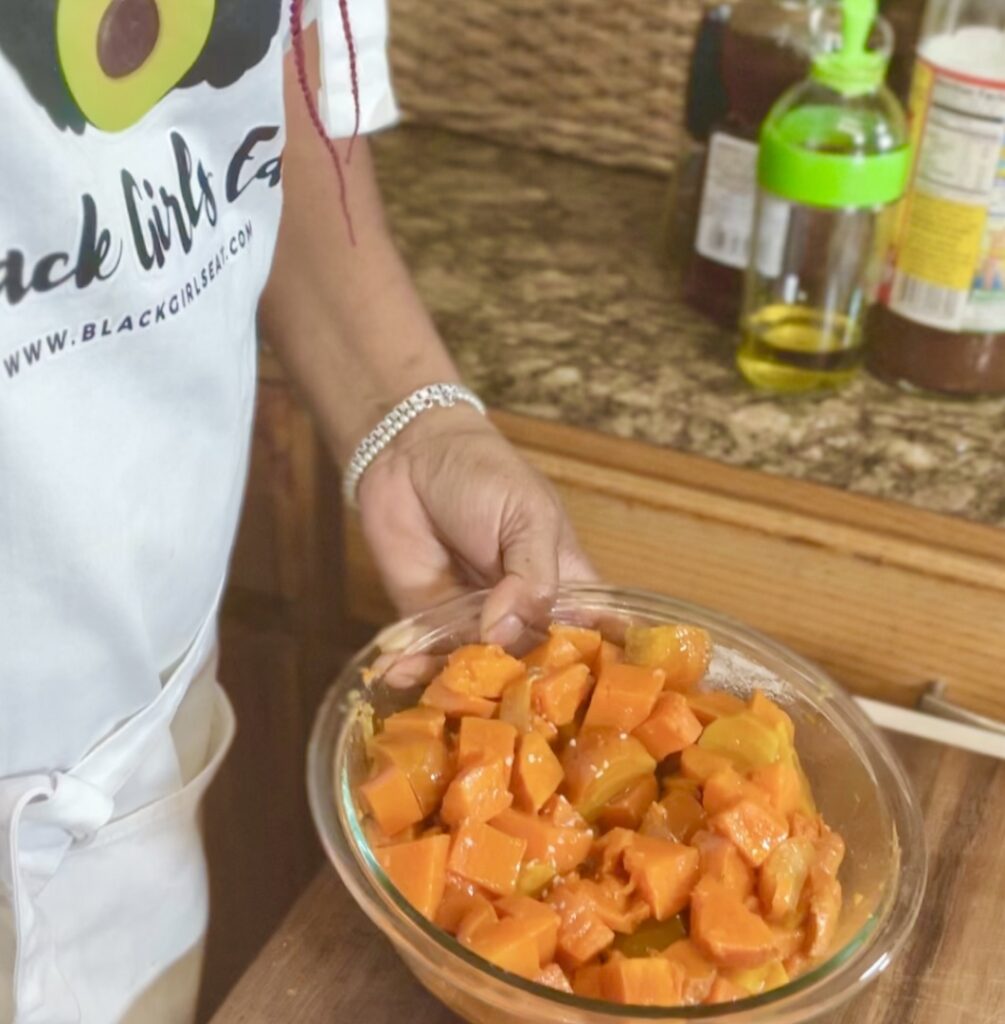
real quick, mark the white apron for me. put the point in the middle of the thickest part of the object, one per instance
(133, 250)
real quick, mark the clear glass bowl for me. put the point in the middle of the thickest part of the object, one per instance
(858, 783)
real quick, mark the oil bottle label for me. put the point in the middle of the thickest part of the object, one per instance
(726, 214)
(947, 264)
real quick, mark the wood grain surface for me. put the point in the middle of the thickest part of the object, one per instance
(328, 964)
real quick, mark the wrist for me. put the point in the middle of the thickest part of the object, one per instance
(432, 411)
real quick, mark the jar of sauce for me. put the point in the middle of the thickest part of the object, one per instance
(939, 323)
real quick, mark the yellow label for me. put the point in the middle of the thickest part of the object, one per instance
(942, 241)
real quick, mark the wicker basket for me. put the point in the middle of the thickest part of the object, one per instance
(598, 79)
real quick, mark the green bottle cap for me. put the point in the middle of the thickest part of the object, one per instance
(838, 141)
(854, 69)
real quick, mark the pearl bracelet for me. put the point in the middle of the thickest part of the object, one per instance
(434, 396)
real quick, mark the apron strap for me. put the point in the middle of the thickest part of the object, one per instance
(43, 815)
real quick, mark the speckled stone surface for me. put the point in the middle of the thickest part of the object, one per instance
(547, 279)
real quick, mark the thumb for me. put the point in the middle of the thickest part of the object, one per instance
(527, 590)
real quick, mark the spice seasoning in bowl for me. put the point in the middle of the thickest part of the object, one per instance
(604, 817)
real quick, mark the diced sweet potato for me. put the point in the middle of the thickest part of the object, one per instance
(745, 739)
(755, 980)
(626, 810)
(725, 930)
(670, 727)
(724, 789)
(556, 652)
(459, 897)
(713, 704)
(789, 940)
(477, 793)
(419, 870)
(508, 944)
(785, 785)
(424, 760)
(610, 849)
(548, 729)
(554, 977)
(582, 935)
(560, 812)
(599, 764)
(478, 916)
(607, 654)
(438, 695)
(539, 919)
(829, 850)
(664, 872)
(515, 706)
(428, 721)
(724, 991)
(624, 697)
(764, 708)
(557, 695)
(755, 830)
(699, 971)
(677, 817)
(642, 981)
(563, 848)
(699, 764)
(587, 641)
(389, 798)
(823, 913)
(782, 877)
(537, 774)
(616, 905)
(480, 670)
(721, 861)
(481, 739)
(488, 857)
(586, 982)
(682, 652)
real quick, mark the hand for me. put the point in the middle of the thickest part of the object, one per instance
(450, 506)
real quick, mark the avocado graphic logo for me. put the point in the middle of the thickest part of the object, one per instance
(109, 62)
(119, 57)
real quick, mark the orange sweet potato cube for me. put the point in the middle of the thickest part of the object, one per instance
(699, 971)
(771, 714)
(459, 897)
(424, 760)
(558, 695)
(599, 764)
(389, 798)
(664, 873)
(782, 877)
(489, 858)
(480, 670)
(478, 916)
(419, 870)
(554, 977)
(607, 654)
(478, 793)
(721, 861)
(485, 739)
(624, 697)
(725, 788)
(556, 652)
(682, 652)
(784, 785)
(586, 982)
(582, 934)
(539, 919)
(698, 764)
(755, 830)
(537, 774)
(642, 981)
(627, 809)
(438, 695)
(713, 704)
(509, 945)
(725, 930)
(587, 641)
(670, 727)
(677, 817)
(426, 721)
(823, 913)
(725, 991)
(563, 848)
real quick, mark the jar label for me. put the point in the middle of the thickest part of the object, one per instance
(726, 214)
(946, 267)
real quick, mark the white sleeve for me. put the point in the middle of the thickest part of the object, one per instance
(377, 107)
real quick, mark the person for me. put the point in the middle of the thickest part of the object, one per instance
(165, 186)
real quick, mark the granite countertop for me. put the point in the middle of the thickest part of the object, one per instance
(547, 279)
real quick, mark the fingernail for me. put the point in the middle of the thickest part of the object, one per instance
(506, 630)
